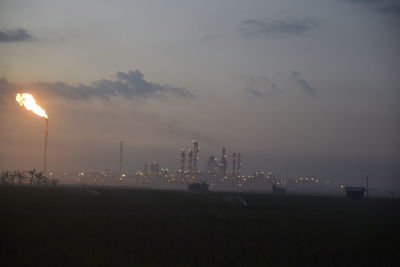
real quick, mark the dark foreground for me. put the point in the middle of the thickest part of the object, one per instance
(127, 227)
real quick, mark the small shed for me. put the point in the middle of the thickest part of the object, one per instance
(355, 192)
(199, 187)
(278, 190)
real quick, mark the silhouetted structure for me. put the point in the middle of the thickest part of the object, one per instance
(234, 163)
(355, 192)
(212, 164)
(195, 154)
(198, 187)
(190, 160)
(278, 190)
(155, 168)
(120, 158)
(223, 163)
(183, 160)
(239, 164)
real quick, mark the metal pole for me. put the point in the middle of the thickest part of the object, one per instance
(120, 158)
(45, 147)
(367, 188)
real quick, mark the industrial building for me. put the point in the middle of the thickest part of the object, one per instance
(355, 192)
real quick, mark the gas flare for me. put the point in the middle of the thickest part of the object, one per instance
(29, 103)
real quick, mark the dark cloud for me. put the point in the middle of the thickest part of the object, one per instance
(295, 73)
(17, 35)
(267, 88)
(250, 88)
(387, 7)
(389, 10)
(361, 1)
(306, 88)
(374, 2)
(303, 83)
(257, 28)
(254, 92)
(130, 85)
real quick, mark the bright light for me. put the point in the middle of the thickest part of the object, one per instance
(29, 102)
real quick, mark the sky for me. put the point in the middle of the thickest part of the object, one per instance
(307, 87)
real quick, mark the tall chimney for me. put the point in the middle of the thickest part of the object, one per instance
(183, 160)
(120, 158)
(223, 163)
(234, 163)
(190, 160)
(195, 154)
(239, 163)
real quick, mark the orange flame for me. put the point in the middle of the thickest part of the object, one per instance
(30, 104)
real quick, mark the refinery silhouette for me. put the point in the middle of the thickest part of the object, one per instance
(217, 175)
(220, 173)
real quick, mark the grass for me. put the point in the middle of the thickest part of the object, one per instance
(103, 226)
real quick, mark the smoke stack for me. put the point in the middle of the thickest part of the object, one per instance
(234, 163)
(120, 158)
(239, 163)
(183, 160)
(45, 147)
(195, 154)
(190, 160)
(211, 164)
(223, 163)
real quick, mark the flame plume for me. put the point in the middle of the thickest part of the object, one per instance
(29, 102)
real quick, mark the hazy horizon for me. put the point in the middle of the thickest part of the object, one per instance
(306, 87)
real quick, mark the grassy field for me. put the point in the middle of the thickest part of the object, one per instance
(96, 226)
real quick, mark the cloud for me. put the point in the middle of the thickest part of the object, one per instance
(303, 83)
(5, 86)
(6, 89)
(258, 28)
(306, 88)
(361, 1)
(387, 7)
(250, 88)
(267, 88)
(16, 35)
(130, 85)
(254, 92)
(389, 10)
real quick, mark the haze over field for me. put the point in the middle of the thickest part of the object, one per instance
(307, 86)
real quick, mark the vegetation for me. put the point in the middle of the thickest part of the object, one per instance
(103, 226)
(21, 178)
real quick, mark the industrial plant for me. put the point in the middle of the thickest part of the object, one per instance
(194, 173)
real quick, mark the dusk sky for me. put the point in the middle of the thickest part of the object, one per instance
(305, 86)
